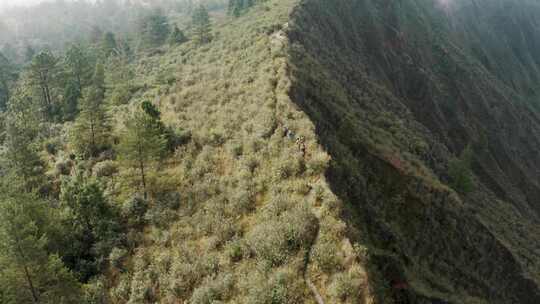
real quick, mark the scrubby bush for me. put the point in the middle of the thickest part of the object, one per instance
(121, 292)
(52, 146)
(188, 270)
(160, 216)
(216, 138)
(281, 287)
(95, 292)
(318, 163)
(289, 167)
(134, 210)
(320, 193)
(169, 199)
(213, 221)
(176, 137)
(141, 288)
(236, 249)
(117, 257)
(63, 166)
(275, 239)
(121, 95)
(242, 201)
(459, 170)
(213, 290)
(236, 149)
(106, 168)
(324, 254)
(348, 287)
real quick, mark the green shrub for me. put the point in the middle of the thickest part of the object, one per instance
(142, 287)
(121, 292)
(106, 168)
(63, 166)
(289, 167)
(121, 95)
(348, 287)
(52, 146)
(188, 270)
(134, 210)
(236, 250)
(318, 163)
(95, 292)
(242, 201)
(164, 212)
(459, 170)
(324, 255)
(117, 257)
(214, 290)
(236, 149)
(275, 239)
(169, 199)
(176, 137)
(281, 287)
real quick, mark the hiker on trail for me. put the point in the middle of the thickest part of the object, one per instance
(288, 132)
(290, 135)
(301, 142)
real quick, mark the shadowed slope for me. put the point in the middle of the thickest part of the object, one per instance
(395, 89)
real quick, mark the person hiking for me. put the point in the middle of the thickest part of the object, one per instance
(301, 143)
(288, 132)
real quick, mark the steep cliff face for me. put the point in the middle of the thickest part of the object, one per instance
(396, 90)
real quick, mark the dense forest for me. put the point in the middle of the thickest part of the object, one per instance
(66, 68)
(270, 152)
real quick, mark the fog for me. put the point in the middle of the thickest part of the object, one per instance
(13, 3)
(24, 3)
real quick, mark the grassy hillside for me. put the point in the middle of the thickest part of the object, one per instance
(256, 221)
(394, 93)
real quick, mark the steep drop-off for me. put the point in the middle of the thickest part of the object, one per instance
(396, 89)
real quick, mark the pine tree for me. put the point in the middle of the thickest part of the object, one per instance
(43, 73)
(154, 29)
(10, 52)
(29, 53)
(92, 223)
(78, 66)
(91, 131)
(72, 94)
(201, 25)
(28, 272)
(142, 144)
(98, 80)
(108, 44)
(231, 6)
(96, 35)
(177, 36)
(7, 76)
(21, 146)
(236, 7)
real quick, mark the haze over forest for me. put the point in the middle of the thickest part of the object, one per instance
(270, 152)
(11, 3)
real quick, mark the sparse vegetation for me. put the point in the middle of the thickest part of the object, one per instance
(460, 172)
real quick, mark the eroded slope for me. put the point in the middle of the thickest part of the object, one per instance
(395, 90)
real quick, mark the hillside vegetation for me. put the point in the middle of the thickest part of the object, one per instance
(406, 96)
(282, 152)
